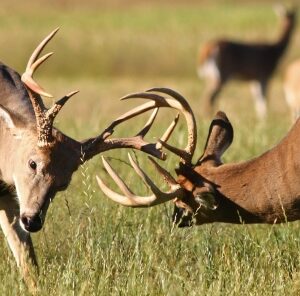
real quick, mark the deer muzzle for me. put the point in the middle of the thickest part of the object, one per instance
(31, 223)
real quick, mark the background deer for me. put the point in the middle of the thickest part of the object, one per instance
(37, 160)
(292, 88)
(223, 60)
(262, 190)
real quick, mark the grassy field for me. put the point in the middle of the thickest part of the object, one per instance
(91, 246)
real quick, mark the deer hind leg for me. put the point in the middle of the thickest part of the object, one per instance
(19, 241)
(258, 89)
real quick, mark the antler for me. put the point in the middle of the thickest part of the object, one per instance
(99, 144)
(132, 200)
(89, 148)
(44, 117)
(129, 198)
(34, 63)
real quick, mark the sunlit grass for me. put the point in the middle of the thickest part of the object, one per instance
(91, 246)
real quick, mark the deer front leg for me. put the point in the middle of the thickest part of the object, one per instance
(19, 240)
(213, 91)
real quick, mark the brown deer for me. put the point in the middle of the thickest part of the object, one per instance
(262, 190)
(224, 60)
(292, 88)
(37, 160)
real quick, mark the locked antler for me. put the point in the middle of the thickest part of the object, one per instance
(175, 101)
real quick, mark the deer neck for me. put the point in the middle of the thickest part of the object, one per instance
(262, 187)
(285, 36)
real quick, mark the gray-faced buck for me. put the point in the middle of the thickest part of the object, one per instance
(262, 190)
(224, 60)
(37, 160)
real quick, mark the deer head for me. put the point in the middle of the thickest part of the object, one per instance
(262, 190)
(39, 160)
(288, 15)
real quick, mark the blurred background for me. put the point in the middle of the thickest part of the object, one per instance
(118, 47)
(107, 49)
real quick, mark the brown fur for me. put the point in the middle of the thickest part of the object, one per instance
(262, 190)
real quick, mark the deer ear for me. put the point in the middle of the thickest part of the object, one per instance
(219, 138)
(10, 119)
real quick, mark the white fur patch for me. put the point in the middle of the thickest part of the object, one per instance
(19, 200)
(7, 118)
(209, 69)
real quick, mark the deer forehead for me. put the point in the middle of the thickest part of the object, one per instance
(58, 154)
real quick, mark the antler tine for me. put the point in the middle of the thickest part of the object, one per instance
(191, 123)
(53, 111)
(128, 115)
(132, 200)
(180, 104)
(124, 188)
(39, 49)
(148, 124)
(45, 117)
(144, 176)
(165, 137)
(180, 152)
(165, 174)
(34, 63)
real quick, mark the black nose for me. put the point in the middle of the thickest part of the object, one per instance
(31, 223)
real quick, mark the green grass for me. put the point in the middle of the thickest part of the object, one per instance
(91, 246)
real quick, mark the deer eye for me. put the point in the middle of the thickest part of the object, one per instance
(32, 164)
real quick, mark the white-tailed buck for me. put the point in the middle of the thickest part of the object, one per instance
(223, 60)
(37, 160)
(265, 189)
(292, 88)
